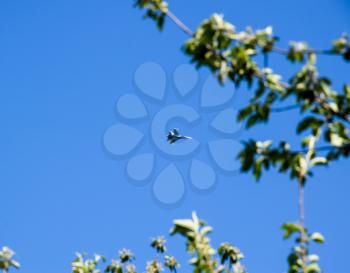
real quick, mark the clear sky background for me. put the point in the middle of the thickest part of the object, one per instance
(63, 64)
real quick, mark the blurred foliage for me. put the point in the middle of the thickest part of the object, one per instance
(155, 10)
(325, 113)
(204, 258)
(300, 259)
(241, 57)
(6, 259)
(236, 56)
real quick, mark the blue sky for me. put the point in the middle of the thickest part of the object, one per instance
(63, 66)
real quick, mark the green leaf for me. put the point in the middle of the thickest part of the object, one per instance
(309, 122)
(318, 161)
(206, 230)
(313, 258)
(313, 268)
(317, 237)
(290, 229)
(336, 140)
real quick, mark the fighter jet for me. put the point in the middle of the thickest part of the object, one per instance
(174, 136)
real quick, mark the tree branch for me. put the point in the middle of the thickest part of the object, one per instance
(278, 50)
(324, 104)
(283, 51)
(258, 74)
(301, 203)
(286, 108)
(179, 23)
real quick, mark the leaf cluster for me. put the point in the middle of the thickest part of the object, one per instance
(6, 259)
(154, 9)
(204, 258)
(300, 260)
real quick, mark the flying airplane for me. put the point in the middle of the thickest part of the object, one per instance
(174, 136)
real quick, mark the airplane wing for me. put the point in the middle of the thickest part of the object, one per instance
(175, 132)
(171, 140)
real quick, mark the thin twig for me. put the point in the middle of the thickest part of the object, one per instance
(322, 103)
(266, 60)
(301, 203)
(278, 50)
(179, 23)
(307, 51)
(330, 147)
(302, 224)
(285, 108)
